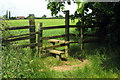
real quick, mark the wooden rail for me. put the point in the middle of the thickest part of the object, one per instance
(52, 37)
(82, 26)
(54, 46)
(20, 35)
(66, 26)
(90, 41)
(27, 45)
(18, 39)
(53, 27)
(31, 35)
(17, 27)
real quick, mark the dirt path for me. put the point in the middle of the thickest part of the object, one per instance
(69, 67)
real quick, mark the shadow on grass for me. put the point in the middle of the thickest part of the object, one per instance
(111, 59)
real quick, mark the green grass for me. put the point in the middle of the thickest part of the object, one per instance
(18, 63)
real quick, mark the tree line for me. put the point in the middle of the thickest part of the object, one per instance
(8, 16)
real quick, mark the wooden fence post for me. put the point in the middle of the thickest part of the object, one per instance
(39, 38)
(81, 38)
(67, 30)
(32, 29)
(81, 32)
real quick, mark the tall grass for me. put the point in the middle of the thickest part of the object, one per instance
(17, 63)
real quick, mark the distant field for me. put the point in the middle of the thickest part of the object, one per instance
(46, 23)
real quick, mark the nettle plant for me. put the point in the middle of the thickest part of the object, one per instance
(15, 61)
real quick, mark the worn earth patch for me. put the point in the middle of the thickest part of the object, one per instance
(69, 67)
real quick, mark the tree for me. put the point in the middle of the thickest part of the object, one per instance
(6, 16)
(44, 16)
(9, 14)
(60, 16)
(55, 7)
(104, 15)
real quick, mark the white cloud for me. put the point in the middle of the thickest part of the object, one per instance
(26, 7)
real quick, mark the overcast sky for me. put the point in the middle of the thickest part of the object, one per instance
(26, 7)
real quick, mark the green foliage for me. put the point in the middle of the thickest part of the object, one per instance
(17, 63)
(44, 16)
(9, 15)
(4, 24)
(55, 7)
(104, 15)
(60, 16)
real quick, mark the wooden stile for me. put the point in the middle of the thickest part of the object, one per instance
(32, 36)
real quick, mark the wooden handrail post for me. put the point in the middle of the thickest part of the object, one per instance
(67, 29)
(39, 38)
(31, 30)
(81, 32)
(81, 38)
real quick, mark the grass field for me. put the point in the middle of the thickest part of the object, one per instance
(46, 23)
(18, 63)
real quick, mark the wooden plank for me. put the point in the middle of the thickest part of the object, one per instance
(74, 35)
(83, 26)
(18, 39)
(45, 28)
(39, 38)
(74, 42)
(56, 52)
(21, 35)
(27, 45)
(90, 41)
(58, 41)
(91, 35)
(53, 27)
(51, 37)
(46, 37)
(54, 46)
(17, 27)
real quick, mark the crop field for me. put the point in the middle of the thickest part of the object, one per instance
(17, 63)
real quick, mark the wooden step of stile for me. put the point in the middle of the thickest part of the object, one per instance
(58, 41)
(56, 52)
